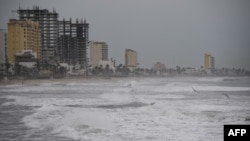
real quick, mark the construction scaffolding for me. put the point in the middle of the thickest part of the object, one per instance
(49, 29)
(73, 42)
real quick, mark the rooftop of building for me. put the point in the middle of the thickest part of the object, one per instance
(130, 50)
(35, 8)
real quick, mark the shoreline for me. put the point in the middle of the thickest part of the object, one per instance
(22, 81)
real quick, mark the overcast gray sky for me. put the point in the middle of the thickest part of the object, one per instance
(174, 32)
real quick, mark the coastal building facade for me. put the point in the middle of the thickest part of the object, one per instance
(110, 63)
(23, 35)
(3, 46)
(3, 49)
(49, 29)
(73, 42)
(159, 67)
(209, 62)
(98, 52)
(131, 59)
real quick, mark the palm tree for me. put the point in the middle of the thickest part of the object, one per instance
(106, 70)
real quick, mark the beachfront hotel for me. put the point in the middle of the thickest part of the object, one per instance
(23, 35)
(209, 62)
(131, 59)
(98, 52)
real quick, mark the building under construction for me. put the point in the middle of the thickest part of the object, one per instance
(49, 29)
(73, 42)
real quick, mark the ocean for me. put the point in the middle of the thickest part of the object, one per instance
(134, 109)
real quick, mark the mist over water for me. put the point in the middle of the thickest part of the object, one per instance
(176, 108)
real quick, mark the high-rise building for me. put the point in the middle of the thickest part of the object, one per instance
(130, 59)
(98, 52)
(209, 62)
(49, 28)
(23, 35)
(206, 61)
(73, 42)
(3, 46)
